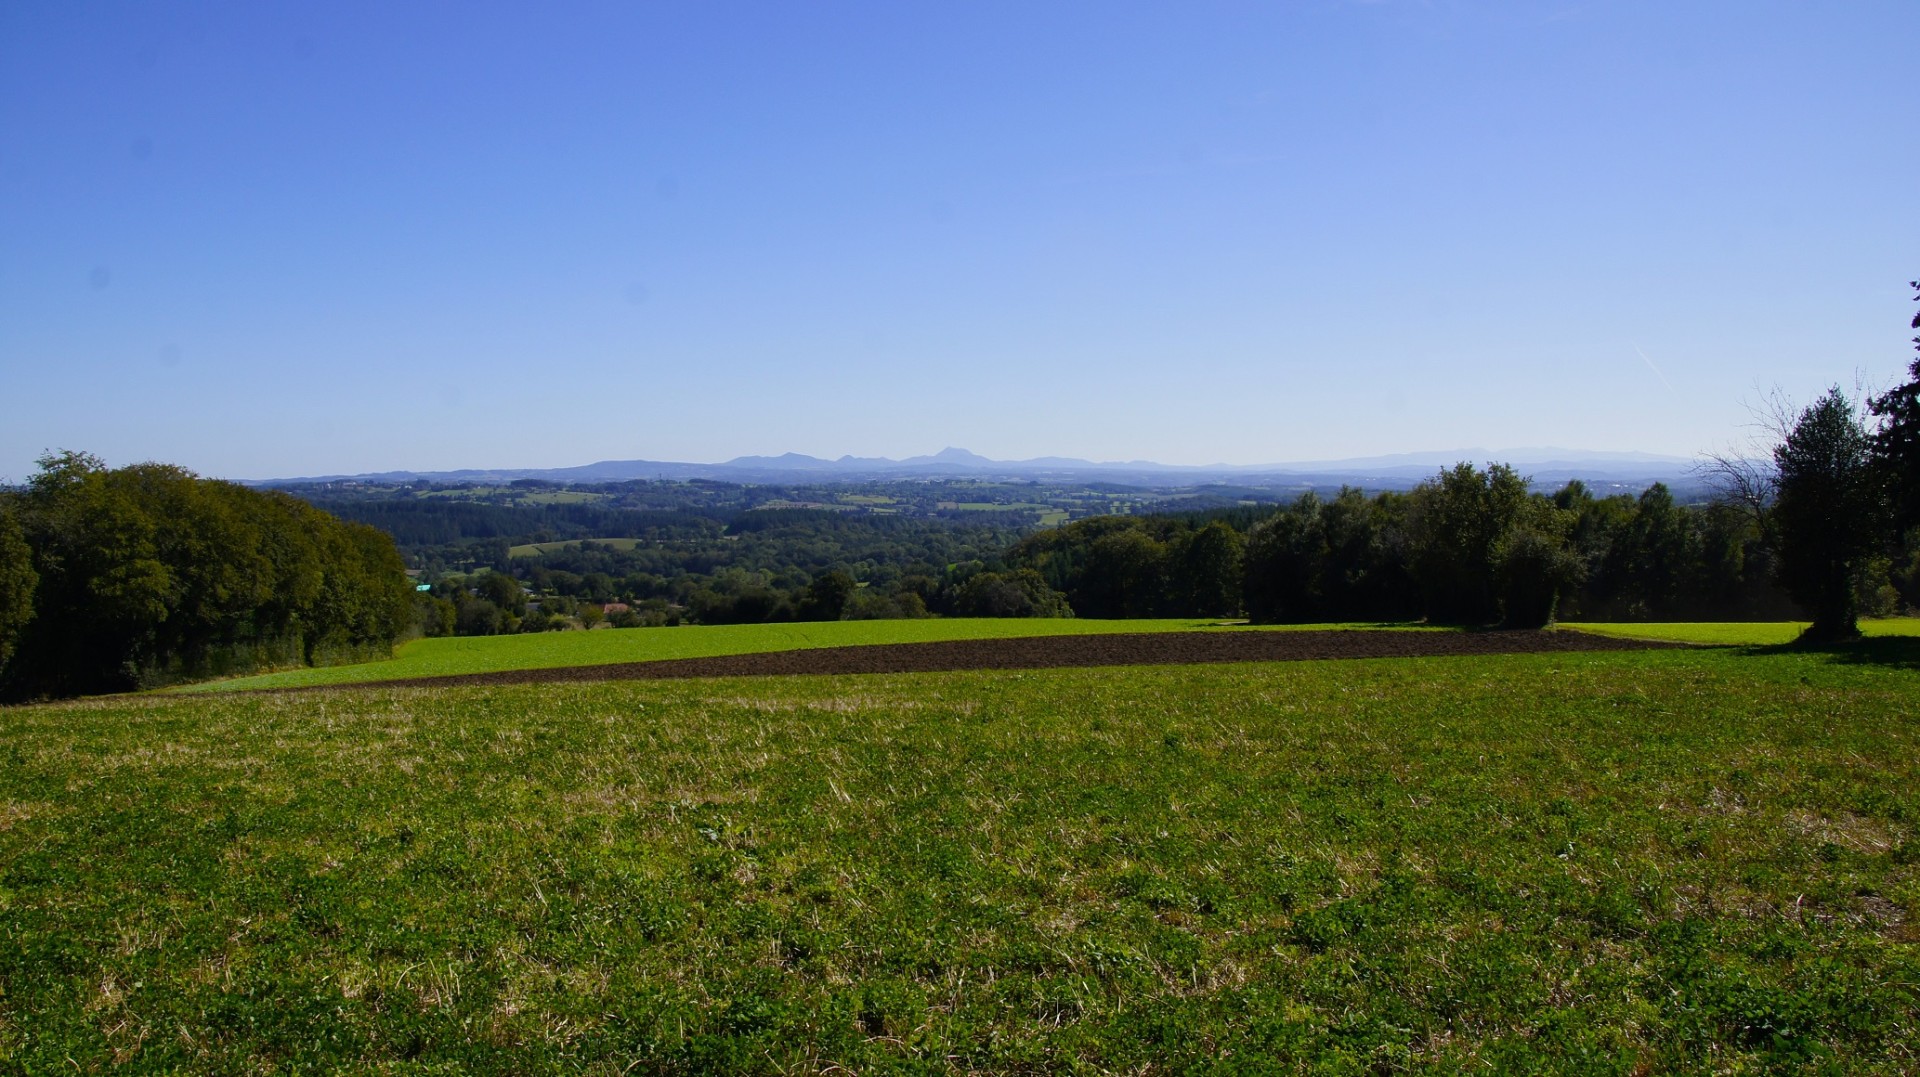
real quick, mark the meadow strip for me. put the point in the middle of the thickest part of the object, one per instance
(1053, 652)
(484, 654)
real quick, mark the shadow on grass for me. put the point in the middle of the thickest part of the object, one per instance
(1896, 652)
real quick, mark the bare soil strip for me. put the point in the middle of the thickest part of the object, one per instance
(1049, 652)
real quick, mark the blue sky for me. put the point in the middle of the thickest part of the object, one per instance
(264, 240)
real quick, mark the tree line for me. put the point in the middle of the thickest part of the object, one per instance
(115, 579)
(1819, 530)
(1469, 546)
(537, 596)
(1827, 526)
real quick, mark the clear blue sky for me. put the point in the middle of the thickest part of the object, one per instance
(270, 239)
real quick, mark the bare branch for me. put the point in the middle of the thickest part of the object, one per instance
(1742, 480)
(1746, 476)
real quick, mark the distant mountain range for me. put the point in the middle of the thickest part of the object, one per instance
(1548, 467)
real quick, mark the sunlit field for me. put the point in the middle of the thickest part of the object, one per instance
(1737, 633)
(550, 650)
(1627, 862)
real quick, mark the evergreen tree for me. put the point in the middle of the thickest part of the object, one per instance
(1896, 446)
(1826, 513)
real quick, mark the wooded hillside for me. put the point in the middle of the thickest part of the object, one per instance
(143, 575)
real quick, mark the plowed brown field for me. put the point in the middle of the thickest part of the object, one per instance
(1044, 652)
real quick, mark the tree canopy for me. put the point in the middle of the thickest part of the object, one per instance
(1896, 445)
(147, 574)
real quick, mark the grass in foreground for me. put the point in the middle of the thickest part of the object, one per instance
(1586, 863)
(552, 650)
(1737, 633)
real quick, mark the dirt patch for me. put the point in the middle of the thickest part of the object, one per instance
(1052, 652)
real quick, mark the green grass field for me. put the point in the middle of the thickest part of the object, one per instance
(551, 650)
(1636, 862)
(1732, 633)
(535, 549)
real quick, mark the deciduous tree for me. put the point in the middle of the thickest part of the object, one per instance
(826, 597)
(17, 582)
(1207, 572)
(1458, 521)
(149, 573)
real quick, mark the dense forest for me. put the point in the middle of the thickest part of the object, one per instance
(762, 565)
(1469, 546)
(144, 575)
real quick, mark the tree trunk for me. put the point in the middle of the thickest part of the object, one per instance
(1837, 619)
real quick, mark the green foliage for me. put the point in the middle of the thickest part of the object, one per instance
(1457, 524)
(870, 605)
(684, 548)
(1020, 593)
(485, 604)
(827, 597)
(18, 581)
(1466, 547)
(769, 565)
(505, 592)
(1534, 566)
(1326, 560)
(1469, 546)
(1206, 570)
(1653, 559)
(738, 597)
(1147, 566)
(1826, 513)
(148, 574)
(1657, 862)
(434, 615)
(1125, 575)
(1896, 444)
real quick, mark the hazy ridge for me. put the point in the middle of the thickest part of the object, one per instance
(1545, 465)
